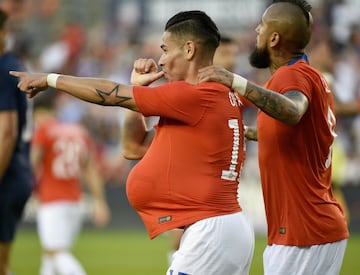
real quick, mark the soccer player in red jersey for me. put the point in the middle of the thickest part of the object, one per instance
(62, 156)
(138, 134)
(189, 176)
(307, 229)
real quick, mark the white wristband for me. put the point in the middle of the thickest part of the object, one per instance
(239, 84)
(51, 80)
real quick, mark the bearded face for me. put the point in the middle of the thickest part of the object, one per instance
(260, 58)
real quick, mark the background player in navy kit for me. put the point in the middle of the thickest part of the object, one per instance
(15, 173)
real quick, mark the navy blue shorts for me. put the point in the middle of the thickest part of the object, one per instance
(12, 204)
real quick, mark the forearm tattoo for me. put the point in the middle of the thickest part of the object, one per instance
(273, 104)
(112, 97)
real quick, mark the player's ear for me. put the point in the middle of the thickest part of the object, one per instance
(274, 39)
(189, 49)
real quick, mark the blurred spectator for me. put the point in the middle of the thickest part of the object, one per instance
(347, 92)
(343, 17)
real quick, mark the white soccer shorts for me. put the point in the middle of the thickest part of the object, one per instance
(316, 259)
(59, 224)
(216, 245)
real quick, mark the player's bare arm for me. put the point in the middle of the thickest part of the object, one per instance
(136, 137)
(8, 134)
(94, 90)
(36, 158)
(288, 108)
(101, 212)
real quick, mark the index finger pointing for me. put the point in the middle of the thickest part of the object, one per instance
(17, 74)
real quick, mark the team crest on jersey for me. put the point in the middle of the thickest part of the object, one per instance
(234, 100)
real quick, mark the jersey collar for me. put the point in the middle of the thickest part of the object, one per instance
(296, 59)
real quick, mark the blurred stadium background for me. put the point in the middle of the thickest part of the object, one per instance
(102, 39)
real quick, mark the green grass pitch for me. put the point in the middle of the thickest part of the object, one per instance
(121, 252)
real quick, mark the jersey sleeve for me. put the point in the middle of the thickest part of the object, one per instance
(176, 100)
(291, 79)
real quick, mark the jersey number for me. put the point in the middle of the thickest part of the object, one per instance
(68, 158)
(332, 123)
(231, 173)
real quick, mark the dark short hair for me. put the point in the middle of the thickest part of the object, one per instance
(3, 18)
(197, 24)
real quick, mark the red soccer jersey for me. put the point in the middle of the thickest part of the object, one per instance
(295, 164)
(65, 149)
(192, 168)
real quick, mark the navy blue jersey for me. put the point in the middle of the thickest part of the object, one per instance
(18, 174)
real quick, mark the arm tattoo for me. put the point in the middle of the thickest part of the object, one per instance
(106, 97)
(280, 107)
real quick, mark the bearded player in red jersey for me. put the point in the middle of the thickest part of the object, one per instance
(307, 229)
